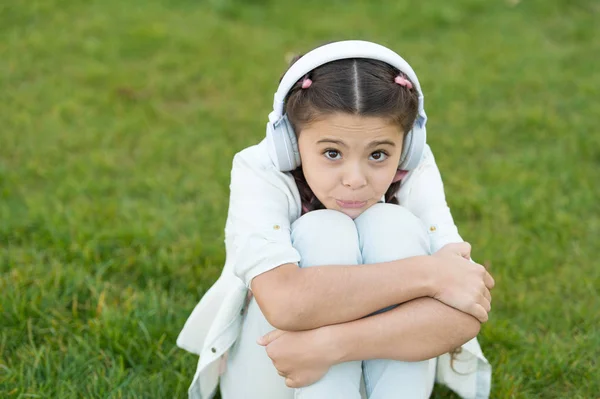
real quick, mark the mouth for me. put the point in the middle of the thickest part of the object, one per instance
(351, 204)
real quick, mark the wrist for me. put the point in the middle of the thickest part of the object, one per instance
(334, 343)
(430, 267)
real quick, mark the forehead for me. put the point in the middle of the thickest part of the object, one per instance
(350, 127)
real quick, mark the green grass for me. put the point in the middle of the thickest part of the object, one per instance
(119, 121)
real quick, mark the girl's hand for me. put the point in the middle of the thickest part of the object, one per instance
(301, 357)
(462, 284)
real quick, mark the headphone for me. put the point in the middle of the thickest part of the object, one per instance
(281, 138)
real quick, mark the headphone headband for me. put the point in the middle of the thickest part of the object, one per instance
(338, 51)
(281, 138)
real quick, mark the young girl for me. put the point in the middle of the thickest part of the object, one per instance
(345, 274)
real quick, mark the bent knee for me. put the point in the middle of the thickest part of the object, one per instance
(326, 237)
(388, 232)
(324, 224)
(396, 217)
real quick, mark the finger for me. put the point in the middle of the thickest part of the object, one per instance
(270, 337)
(459, 248)
(487, 295)
(486, 304)
(489, 280)
(465, 250)
(479, 312)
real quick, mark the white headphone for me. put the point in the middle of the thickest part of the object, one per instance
(281, 138)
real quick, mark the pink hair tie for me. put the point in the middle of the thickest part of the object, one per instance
(306, 83)
(402, 81)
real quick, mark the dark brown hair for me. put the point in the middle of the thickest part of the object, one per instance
(356, 86)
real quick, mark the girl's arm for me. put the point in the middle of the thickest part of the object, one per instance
(295, 299)
(258, 244)
(417, 330)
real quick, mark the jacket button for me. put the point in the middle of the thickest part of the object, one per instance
(432, 228)
(213, 350)
(276, 227)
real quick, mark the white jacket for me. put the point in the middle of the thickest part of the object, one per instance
(263, 204)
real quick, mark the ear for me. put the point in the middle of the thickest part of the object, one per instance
(400, 174)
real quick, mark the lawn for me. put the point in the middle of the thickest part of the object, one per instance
(119, 121)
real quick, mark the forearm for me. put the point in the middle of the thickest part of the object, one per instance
(417, 330)
(324, 295)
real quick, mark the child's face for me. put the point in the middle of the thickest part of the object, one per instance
(350, 161)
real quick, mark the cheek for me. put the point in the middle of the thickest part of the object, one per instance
(311, 171)
(322, 182)
(383, 180)
(309, 166)
(319, 180)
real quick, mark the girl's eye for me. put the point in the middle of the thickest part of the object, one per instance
(332, 154)
(379, 156)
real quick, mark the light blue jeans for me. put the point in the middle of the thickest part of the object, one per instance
(384, 232)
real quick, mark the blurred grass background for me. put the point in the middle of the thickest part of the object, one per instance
(119, 121)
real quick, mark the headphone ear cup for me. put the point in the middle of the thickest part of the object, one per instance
(283, 145)
(413, 147)
(273, 145)
(292, 140)
(406, 148)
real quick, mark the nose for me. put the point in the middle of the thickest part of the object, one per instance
(354, 177)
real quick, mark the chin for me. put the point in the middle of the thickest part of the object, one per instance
(353, 213)
(350, 212)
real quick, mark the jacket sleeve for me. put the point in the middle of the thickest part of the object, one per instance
(257, 232)
(424, 196)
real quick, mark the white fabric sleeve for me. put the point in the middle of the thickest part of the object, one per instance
(426, 199)
(257, 232)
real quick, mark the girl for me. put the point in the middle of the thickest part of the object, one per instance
(345, 274)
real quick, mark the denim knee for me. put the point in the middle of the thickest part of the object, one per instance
(326, 237)
(389, 232)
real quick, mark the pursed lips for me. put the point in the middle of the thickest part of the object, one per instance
(351, 204)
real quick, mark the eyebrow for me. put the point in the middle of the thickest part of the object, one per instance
(372, 144)
(339, 142)
(381, 142)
